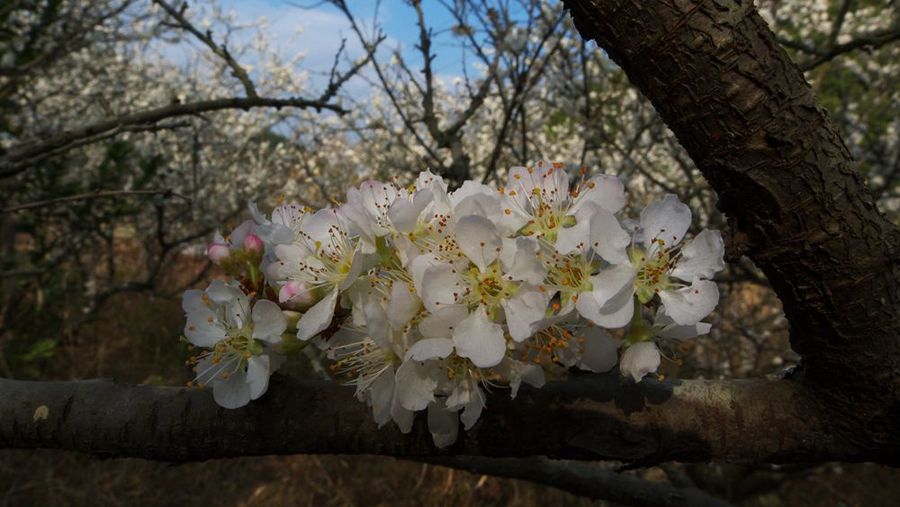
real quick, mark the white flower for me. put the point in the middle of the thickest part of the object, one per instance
(240, 359)
(640, 359)
(657, 268)
(323, 257)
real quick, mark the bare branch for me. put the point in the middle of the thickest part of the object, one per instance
(96, 194)
(206, 38)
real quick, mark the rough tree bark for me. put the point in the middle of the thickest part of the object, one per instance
(787, 183)
(798, 209)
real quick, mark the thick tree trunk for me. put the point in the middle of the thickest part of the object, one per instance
(787, 183)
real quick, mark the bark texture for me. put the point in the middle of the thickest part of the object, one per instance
(786, 181)
(589, 417)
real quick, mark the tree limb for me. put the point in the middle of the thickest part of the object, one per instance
(597, 417)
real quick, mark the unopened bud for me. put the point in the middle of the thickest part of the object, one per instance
(253, 243)
(296, 295)
(217, 252)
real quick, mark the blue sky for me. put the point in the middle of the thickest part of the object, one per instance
(323, 27)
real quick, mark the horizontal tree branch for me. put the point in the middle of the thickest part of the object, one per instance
(597, 417)
(18, 159)
(96, 194)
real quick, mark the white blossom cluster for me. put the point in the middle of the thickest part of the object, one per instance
(427, 298)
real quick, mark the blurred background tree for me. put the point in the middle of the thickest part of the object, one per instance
(106, 209)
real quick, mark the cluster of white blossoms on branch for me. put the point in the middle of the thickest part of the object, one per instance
(425, 298)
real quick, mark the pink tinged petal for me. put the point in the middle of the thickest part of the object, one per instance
(443, 425)
(415, 385)
(296, 293)
(521, 262)
(404, 213)
(268, 321)
(440, 287)
(203, 333)
(607, 237)
(600, 351)
(689, 305)
(217, 253)
(480, 340)
(666, 220)
(702, 257)
(430, 348)
(253, 243)
(479, 239)
(524, 311)
(403, 306)
(233, 392)
(640, 359)
(239, 234)
(605, 190)
(258, 373)
(440, 323)
(317, 318)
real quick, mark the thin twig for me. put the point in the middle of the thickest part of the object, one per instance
(96, 194)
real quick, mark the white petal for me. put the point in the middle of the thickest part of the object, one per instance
(381, 397)
(575, 238)
(607, 237)
(666, 220)
(640, 359)
(440, 287)
(479, 239)
(402, 417)
(443, 425)
(430, 348)
(356, 266)
(203, 333)
(268, 321)
(676, 332)
(418, 266)
(258, 375)
(404, 213)
(415, 385)
(317, 318)
(702, 257)
(611, 281)
(233, 392)
(192, 302)
(600, 351)
(689, 305)
(472, 410)
(613, 314)
(524, 311)
(440, 323)
(605, 190)
(480, 340)
(531, 374)
(520, 260)
(404, 304)
(376, 321)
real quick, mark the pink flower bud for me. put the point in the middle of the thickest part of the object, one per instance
(252, 243)
(217, 252)
(295, 295)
